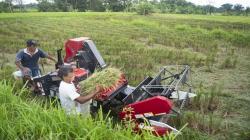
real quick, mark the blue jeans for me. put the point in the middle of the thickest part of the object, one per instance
(35, 72)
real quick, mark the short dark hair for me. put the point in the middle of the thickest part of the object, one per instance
(31, 42)
(64, 71)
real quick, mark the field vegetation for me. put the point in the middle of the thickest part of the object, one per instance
(216, 47)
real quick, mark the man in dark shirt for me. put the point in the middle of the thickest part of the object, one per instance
(27, 59)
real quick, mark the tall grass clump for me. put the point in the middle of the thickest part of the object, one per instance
(219, 34)
(182, 27)
(230, 60)
(207, 100)
(29, 120)
(207, 123)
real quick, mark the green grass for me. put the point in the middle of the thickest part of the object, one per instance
(216, 47)
(22, 119)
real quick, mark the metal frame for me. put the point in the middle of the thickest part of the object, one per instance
(177, 78)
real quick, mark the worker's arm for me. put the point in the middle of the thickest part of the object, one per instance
(46, 55)
(51, 58)
(84, 99)
(25, 70)
(19, 65)
(19, 57)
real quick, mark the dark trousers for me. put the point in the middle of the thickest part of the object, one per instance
(35, 72)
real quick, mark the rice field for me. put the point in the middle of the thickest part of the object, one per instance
(216, 47)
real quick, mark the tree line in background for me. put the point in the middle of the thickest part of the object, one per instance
(143, 7)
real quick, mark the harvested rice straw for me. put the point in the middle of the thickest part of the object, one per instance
(106, 78)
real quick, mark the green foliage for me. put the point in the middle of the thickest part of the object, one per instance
(139, 46)
(227, 7)
(207, 101)
(219, 34)
(247, 11)
(22, 119)
(6, 73)
(96, 5)
(161, 6)
(207, 123)
(144, 8)
(5, 7)
(46, 6)
(79, 5)
(63, 5)
(238, 8)
(154, 40)
(230, 60)
(182, 27)
(116, 5)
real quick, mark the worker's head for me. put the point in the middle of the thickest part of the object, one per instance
(66, 73)
(31, 45)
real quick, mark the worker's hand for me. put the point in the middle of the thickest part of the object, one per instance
(98, 89)
(78, 88)
(26, 71)
(52, 58)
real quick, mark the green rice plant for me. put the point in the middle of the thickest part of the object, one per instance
(219, 34)
(240, 39)
(123, 39)
(29, 120)
(6, 72)
(227, 63)
(207, 101)
(208, 124)
(230, 61)
(190, 134)
(150, 41)
(182, 27)
(210, 62)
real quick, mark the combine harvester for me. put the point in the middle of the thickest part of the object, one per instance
(154, 100)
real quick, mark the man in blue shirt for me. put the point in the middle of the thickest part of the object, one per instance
(27, 59)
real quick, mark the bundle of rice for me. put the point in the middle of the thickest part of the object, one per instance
(108, 80)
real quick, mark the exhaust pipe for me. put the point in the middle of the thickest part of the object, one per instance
(59, 59)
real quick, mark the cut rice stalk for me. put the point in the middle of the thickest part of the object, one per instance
(108, 80)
